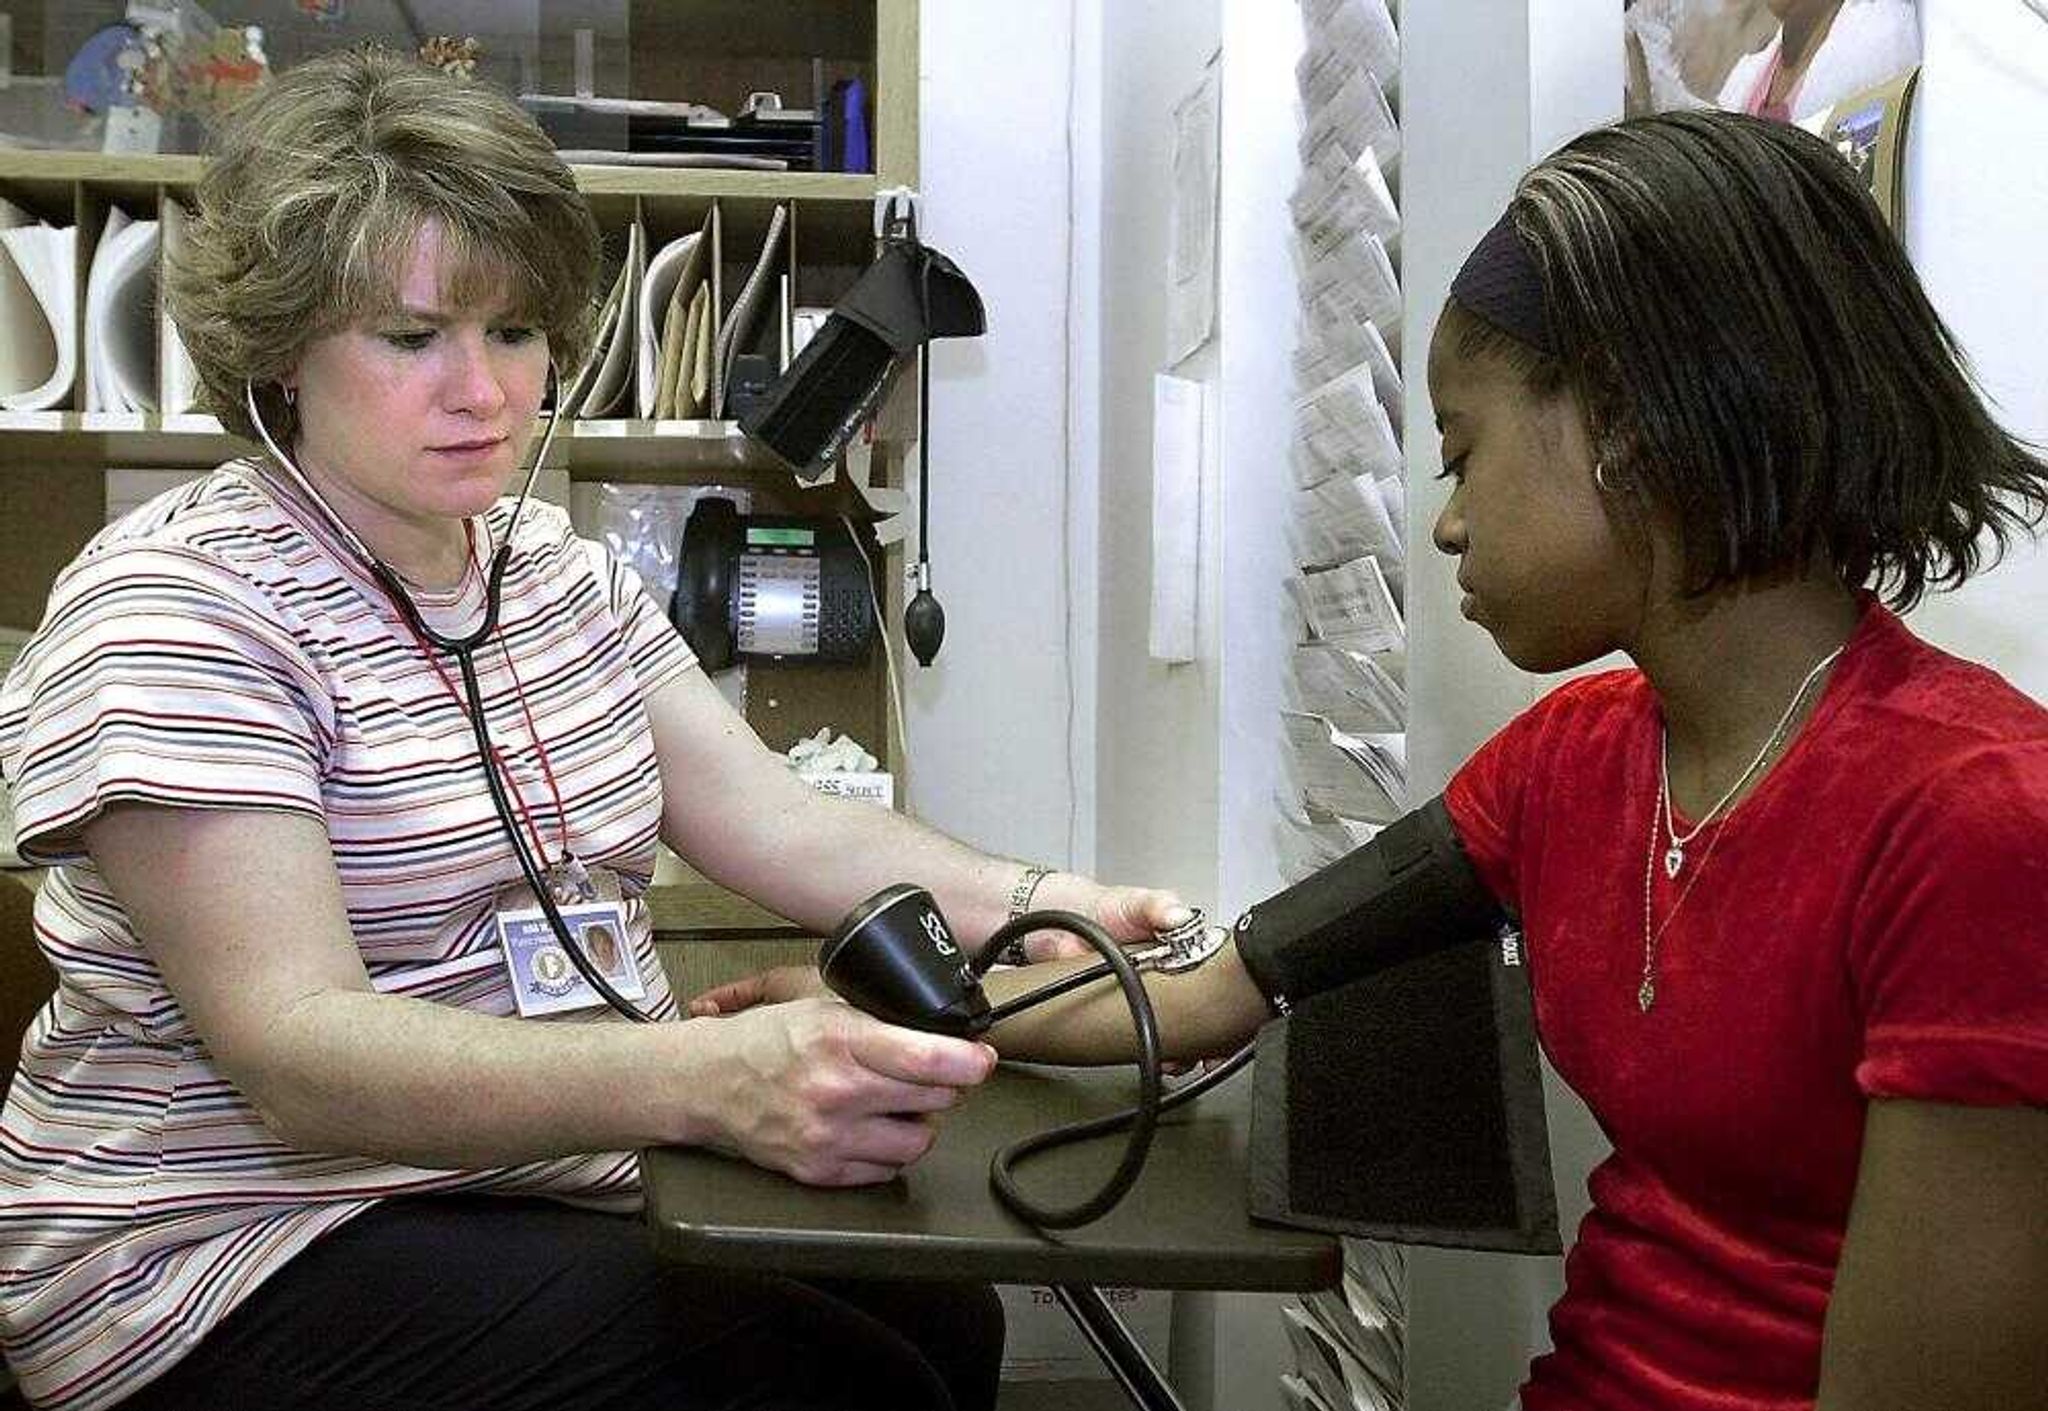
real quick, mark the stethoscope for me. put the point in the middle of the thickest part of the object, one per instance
(463, 649)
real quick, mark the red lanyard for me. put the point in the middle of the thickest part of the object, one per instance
(519, 691)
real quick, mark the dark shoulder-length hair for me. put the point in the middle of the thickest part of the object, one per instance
(1756, 357)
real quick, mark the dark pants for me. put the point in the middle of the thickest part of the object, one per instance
(459, 1302)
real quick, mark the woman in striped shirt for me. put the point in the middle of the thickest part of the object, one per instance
(281, 1137)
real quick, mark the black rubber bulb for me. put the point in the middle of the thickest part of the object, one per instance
(924, 626)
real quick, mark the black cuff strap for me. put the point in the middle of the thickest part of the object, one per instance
(1408, 892)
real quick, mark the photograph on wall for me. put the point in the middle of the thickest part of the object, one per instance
(1842, 69)
(1793, 60)
(1869, 129)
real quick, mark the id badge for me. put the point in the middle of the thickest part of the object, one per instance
(544, 979)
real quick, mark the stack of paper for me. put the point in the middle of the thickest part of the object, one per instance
(1337, 1374)
(1344, 428)
(677, 325)
(1346, 517)
(1351, 606)
(605, 377)
(121, 340)
(1311, 837)
(1324, 352)
(1345, 756)
(1353, 690)
(38, 304)
(1359, 777)
(667, 341)
(180, 377)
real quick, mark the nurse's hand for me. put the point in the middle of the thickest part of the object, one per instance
(1132, 915)
(826, 1094)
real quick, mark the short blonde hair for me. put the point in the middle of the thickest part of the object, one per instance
(319, 186)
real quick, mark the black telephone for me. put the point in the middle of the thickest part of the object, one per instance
(770, 586)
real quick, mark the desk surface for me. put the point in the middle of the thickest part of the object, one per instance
(1183, 1225)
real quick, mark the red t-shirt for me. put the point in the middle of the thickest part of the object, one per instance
(1872, 923)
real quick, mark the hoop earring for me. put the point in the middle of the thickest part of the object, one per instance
(1600, 477)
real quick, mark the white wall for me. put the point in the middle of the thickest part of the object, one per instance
(1157, 756)
(1188, 753)
(1001, 727)
(1976, 222)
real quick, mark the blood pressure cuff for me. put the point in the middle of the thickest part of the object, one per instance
(1409, 892)
(1408, 1106)
(1401, 1097)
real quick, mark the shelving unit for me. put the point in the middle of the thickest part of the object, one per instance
(52, 463)
(1346, 750)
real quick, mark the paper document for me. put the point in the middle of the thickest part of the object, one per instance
(39, 303)
(1344, 428)
(742, 323)
(1375, 1278)
(180, 379)
(673, 276)
(1311, 840)
(1356, 281)
(121, 317)
(1386, 374)
(1394, 492)
(1345, 517)
(1356, 776)
(617, 331)
(1324, 352)
(1328, 206)
(1337, 1372)
(1299, 1394)
(1349, 689)
(1356, 119)
(1176, 516)
(1191, 261)
(1341, 35)
(1351, 606)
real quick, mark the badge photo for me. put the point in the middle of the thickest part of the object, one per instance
(545, 980)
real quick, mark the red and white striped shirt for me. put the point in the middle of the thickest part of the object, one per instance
(220, 648)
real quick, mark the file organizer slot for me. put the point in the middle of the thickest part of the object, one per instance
(672, 364)
(35, 272)
(53, 461)
(118, 237)
(752, 323)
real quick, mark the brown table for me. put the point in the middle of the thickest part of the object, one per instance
(1182, 1226)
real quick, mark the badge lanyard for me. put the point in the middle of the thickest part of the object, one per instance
(463, 649)
(565, 874)
(542, 984)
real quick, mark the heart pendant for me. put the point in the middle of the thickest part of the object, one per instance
(1674, 858)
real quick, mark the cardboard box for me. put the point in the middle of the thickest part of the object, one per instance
(1043, 1345)
(877, 787)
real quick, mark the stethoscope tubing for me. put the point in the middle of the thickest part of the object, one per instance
(463, 649)
(1153, 1102)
